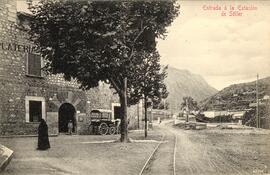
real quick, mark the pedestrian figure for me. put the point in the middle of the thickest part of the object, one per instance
(128, 121)
(159, 121)
(70, 127)
(117, 123)
(43, 137)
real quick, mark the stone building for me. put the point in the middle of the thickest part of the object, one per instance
(27, 94)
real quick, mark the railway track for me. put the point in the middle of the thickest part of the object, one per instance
(167, 144)
(151, 156)
(195, 153)
(174, 154)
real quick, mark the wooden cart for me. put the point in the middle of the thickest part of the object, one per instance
(101, 122)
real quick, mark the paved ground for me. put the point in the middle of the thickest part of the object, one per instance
(211, 152)
(79, 155)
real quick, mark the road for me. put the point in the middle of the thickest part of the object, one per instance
(199, 152)
(205, 153)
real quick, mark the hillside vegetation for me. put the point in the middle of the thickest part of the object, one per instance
(237, 96)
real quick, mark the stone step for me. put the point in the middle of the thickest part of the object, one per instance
(5, 157)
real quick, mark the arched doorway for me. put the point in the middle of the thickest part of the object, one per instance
(66, 113)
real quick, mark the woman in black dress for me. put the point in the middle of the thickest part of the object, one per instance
(43, 137)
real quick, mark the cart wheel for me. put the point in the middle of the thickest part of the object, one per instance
(103, 128)
(112, 130)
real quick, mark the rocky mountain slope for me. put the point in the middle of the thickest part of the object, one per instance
(182, 83)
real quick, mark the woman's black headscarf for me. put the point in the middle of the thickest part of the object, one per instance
(43, 137)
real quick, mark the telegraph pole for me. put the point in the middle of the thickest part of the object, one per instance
(257, 106)
(29, 3)
(187, 110)
(145, 116)
(138, 114)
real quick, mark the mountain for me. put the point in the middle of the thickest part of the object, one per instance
(182, 83)
(237, 96)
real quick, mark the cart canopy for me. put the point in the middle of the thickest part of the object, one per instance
(101, 111)
(98, 115)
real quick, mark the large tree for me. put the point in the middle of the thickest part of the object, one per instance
(94, 41)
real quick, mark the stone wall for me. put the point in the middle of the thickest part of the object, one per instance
(8, 10)
(133, 112)
(101, 97)
(15, 85)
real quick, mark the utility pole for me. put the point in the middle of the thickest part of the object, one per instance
(187, 109)
(145, 116)
(138, 114)
(29, 3)
(151, 118)
(164, 104)
(257, 106)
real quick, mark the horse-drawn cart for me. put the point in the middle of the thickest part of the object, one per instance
(101, 122)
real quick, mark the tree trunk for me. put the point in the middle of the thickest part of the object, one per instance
(124, 122)
(145, 117)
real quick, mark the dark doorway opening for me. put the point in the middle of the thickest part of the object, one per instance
(35, 111)
(66, 113)
(117, 112)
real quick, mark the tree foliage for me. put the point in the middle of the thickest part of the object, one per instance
(94, 41)
(190, 103)
(163, 104)
(149, 79)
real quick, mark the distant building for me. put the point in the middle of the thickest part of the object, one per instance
(236, 114)
(213, 114)
(266, 97)
(154, 114)
(230, 116)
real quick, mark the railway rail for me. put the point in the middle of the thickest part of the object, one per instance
(147, 165)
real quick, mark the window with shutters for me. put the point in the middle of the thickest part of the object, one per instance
(34, 65)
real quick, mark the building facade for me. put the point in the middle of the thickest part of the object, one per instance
(28, 95)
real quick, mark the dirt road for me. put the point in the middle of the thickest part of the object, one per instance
(211, 152)
(199, 152)
(199, 158)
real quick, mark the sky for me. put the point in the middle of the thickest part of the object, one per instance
(224, 50)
